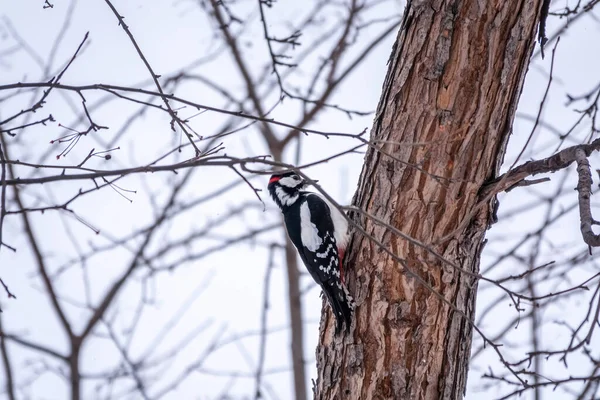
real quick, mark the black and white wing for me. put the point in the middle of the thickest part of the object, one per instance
(320, 254)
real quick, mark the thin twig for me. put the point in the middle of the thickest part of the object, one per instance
(155, 77)
(263, 324)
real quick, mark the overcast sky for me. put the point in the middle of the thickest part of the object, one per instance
(222, 294)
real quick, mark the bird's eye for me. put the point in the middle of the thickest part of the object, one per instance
(296, 178)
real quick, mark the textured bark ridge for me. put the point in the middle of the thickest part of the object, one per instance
(448, 102)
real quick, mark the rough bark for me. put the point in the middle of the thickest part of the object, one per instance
(449, 98)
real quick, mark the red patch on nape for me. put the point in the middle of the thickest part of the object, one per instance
(274, 178)
(341, 258)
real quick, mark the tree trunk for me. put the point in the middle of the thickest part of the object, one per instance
(296, 323)
(442, 124)
(295, 305)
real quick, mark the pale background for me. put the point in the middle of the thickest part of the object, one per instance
(222, 293)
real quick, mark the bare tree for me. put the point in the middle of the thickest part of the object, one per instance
(327, 43)
(133, 231)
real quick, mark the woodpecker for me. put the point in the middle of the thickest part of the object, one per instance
(320, 233)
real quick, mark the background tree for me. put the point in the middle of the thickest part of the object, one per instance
(105, 306)
(168, 284)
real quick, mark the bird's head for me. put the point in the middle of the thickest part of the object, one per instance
(284, 188)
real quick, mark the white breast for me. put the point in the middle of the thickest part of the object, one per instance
(285, 198)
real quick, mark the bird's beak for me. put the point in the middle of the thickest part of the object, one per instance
(306, 183)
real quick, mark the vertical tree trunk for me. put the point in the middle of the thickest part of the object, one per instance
(295, 306)
(74, 370)
(296, 323)
(448, 102)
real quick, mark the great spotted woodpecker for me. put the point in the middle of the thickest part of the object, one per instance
(320, 233)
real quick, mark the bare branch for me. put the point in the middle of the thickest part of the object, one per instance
(6, 363)
(263, 324)
(554, 163)
(172, 113)
(584, 187)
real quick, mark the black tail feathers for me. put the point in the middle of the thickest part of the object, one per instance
(341, 304)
